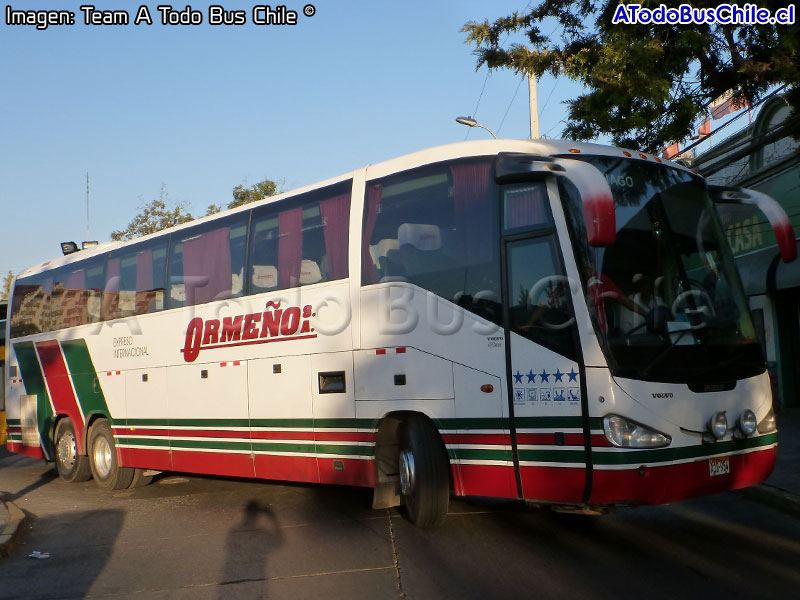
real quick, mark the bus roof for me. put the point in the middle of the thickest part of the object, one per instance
(543, 147)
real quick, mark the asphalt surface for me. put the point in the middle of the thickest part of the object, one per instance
(204, 537)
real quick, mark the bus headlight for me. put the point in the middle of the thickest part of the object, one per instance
(718, 425)
(767, 424)
(624, 433)
(748, 422)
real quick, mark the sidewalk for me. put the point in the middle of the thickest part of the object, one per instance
(781, 490)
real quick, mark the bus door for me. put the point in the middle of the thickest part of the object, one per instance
(543, 352)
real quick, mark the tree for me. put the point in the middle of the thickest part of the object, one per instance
(154, 216)
(7, 285)
(243, 195)
(648, 84)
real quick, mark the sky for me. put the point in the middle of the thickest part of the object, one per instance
(202, 109)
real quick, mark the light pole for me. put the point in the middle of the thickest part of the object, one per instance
(470, 122)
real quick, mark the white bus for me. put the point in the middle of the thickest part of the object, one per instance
(540, 320)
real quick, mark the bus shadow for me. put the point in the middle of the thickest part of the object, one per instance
(74, 550)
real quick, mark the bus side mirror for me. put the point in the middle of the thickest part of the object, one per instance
(776, 215)
(598, 201)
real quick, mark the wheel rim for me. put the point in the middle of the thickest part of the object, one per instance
(103, 457)
(67, 450)
(407, 472)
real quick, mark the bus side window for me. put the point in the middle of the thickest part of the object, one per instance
(300, 241)
(436, 227)
(206, 262)
(134, 281)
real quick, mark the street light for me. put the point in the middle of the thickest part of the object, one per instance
(470, 122)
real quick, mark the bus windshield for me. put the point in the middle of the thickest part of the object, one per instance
(665, 299)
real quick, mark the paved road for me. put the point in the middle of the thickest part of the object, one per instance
(196, 537)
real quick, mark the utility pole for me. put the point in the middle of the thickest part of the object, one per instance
(88, 229)
(534, 106)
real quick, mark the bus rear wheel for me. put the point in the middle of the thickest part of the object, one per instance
(424, 474)
(103, 459)
(71, 466)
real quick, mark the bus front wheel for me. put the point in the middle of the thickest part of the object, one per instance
(103, 459)
(424, 474)
(71, 466)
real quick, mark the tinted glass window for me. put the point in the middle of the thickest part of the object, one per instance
(539, 305)
(300, 241)
(135, 279)
(436, 227)
(206, 262)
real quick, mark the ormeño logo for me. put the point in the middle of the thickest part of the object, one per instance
(273, 325)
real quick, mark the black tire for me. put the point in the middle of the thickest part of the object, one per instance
(140, 479)
(424, 473)
(103, 459)
(71, 466)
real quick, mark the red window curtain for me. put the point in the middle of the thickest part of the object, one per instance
(473, 210)
(207, 267)
(369, 273)
(525, 208)
(290, 247)
(335, 214)
(144, 271)
(112, 275)
(76, 280)
(111, 290)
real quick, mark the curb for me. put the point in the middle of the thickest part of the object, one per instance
(774, 497)
(13, 529)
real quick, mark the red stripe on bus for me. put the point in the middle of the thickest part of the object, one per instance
(554, 484)
(287, 468)
(549, 439)
(146, 458)
(58, 382)
(347, 471)
(600, 441)
(401, 350)
(485, 480)
(283, 435)
(671, 483)
(343, 436)
(213, 463)
(19, 448)
(380, 351)
(477, 438)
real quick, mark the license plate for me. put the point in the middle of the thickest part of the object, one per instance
(719, 466)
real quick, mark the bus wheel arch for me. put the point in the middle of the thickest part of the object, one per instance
(102, 451)
(71, 465)
(412, 468)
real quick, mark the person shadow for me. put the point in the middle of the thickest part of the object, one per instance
(248, 546)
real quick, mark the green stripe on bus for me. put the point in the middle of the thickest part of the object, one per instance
(209, 445)
(350, 450)
(478, 454)
(33, 380)
(305, 424)
(521, 423)
(271, 447)
(84, 378)
(142, 441)
(13, 422)
(628, 457)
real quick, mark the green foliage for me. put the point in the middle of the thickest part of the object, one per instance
(7, 285)
(162, 213)
(258, 191)
(154, 216)
(648, 85)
